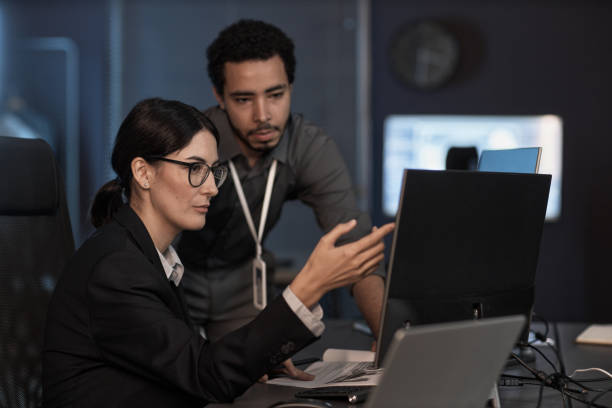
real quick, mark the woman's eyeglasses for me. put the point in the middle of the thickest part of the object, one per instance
(199, 171)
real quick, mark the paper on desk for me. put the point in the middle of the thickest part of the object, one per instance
(333, 354)
(336, 363)
(596, 334)
(325, 371)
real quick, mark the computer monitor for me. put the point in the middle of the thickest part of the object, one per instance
(465, 246)
(425, 142)
(524, 160)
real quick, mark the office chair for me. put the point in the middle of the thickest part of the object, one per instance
(35, 244)
(461, 158)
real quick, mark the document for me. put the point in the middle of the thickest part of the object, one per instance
(596, 334)
(338, 367)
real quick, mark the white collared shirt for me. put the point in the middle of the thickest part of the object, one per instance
(172, 264)
(311, 318)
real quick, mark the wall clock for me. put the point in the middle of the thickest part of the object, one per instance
(424, 55)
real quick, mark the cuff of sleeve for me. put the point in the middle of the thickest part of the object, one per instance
(310, 317)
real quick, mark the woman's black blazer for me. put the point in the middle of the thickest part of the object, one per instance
(118, 333)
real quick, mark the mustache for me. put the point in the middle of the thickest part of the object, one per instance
(265, 126)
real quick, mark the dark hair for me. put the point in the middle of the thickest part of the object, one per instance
(248, 40)
(154, 127)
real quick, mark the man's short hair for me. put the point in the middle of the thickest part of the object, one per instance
(248, 40)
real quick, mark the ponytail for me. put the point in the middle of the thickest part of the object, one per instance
(107, 201)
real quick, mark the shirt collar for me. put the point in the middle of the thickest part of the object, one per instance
(172, 265)
(229, 147)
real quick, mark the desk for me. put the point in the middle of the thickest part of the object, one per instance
(575, 356)
(339, 334)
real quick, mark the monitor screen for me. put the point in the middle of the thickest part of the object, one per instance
(465, 246)
(522, 160)
(424, 141)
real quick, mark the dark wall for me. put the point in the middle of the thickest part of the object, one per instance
(85, 24)
(164, 44)
(161, 52)
(133, 49)
(524, 58)
(518, 57)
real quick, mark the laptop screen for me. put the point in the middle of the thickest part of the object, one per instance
(524, 160)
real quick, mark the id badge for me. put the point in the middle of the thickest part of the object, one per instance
(260, 294)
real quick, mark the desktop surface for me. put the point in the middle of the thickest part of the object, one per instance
(340, 334)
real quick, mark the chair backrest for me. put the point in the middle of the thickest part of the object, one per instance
(35, 244)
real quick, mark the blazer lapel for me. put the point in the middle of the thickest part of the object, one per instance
(127, 218)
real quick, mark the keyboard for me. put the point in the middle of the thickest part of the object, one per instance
(349, 393)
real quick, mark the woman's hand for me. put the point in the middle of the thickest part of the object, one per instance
(330, 266)
(289, 370)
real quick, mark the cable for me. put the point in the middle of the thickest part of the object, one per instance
(509, 380)
(557, 350)
(590, 403)
(540, 393)
(556, 381)
(559, 376)
(585, 370)
(540, 352)
(594, 379)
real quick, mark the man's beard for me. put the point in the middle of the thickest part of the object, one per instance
(245, 139)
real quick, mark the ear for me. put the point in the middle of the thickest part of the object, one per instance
(219, 98)
(142, 172)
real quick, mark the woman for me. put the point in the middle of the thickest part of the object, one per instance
(117, 329)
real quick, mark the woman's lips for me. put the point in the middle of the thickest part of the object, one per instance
(203, 209)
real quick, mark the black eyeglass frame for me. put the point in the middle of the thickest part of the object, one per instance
(191, 166)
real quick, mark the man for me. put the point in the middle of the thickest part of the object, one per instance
(251, 65)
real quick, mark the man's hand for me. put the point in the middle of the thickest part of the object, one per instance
(291, 371)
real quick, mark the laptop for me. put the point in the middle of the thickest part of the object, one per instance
(445, 365)
(523, 160)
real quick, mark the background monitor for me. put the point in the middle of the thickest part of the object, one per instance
(465, 246)
(425, 141)
(523, 160)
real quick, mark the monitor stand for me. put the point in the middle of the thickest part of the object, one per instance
(524, 353)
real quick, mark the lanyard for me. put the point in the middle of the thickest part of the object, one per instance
(259, 266)
(245, 207)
